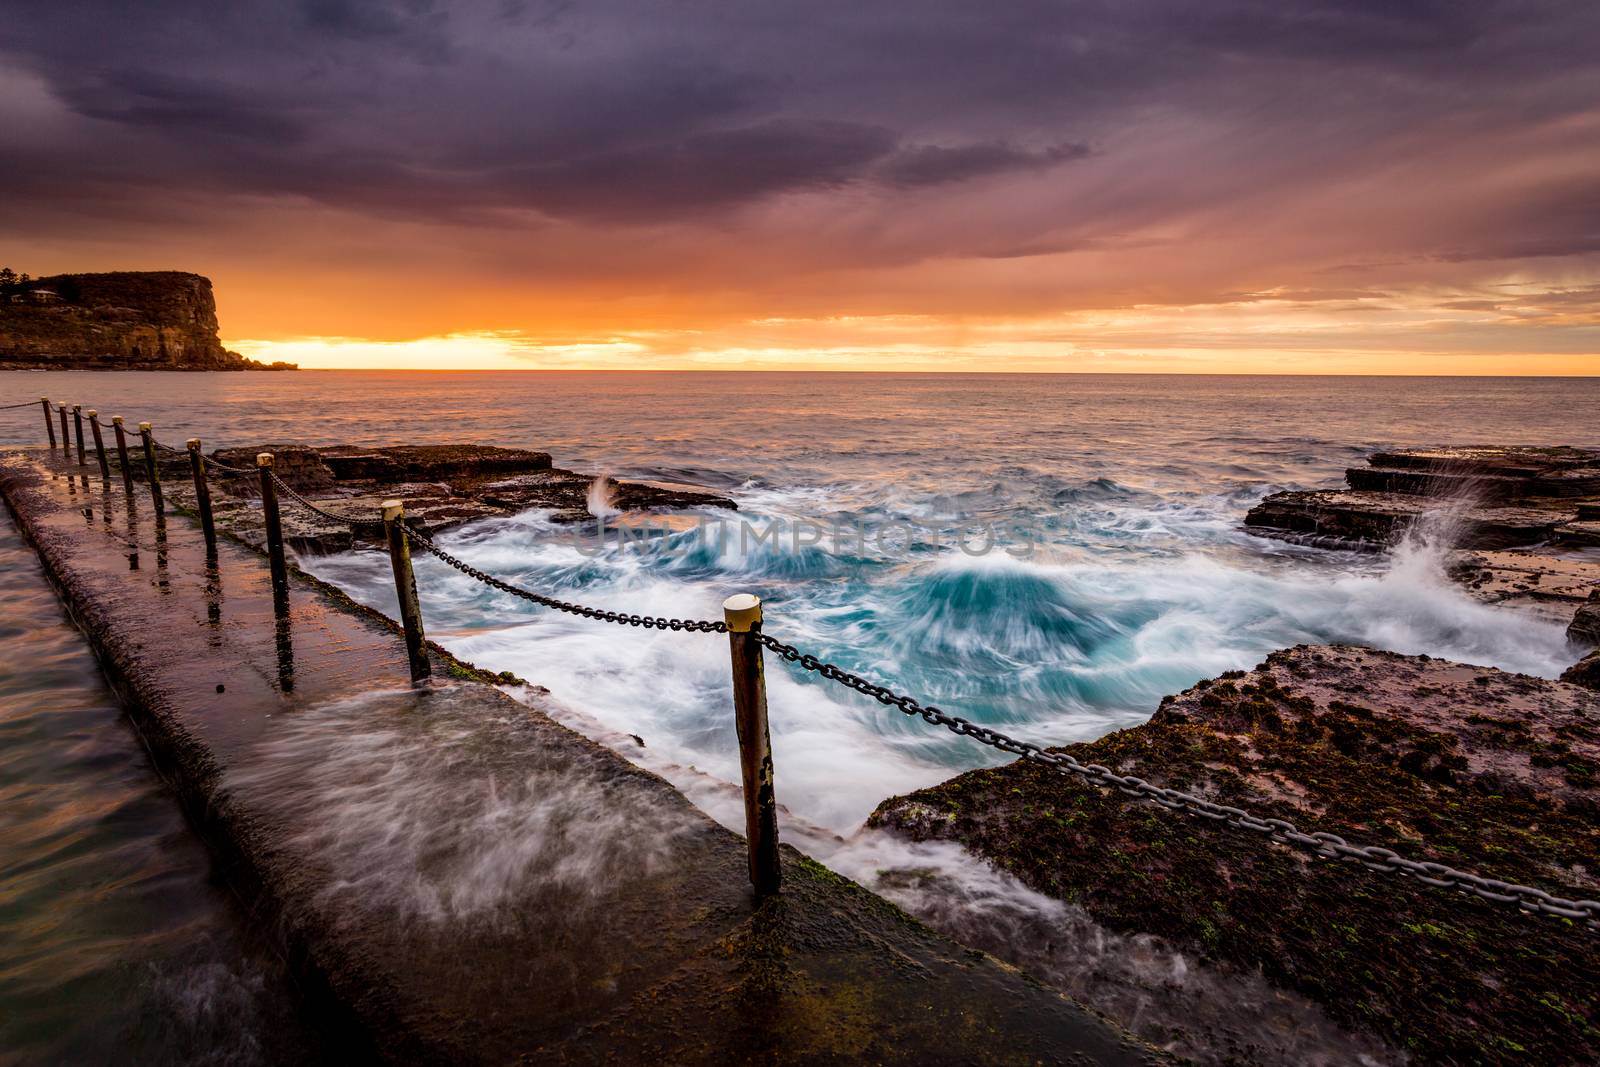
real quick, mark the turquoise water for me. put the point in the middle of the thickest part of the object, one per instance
(1139, 580)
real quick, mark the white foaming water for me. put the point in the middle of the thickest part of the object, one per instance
(1130, 596)
(601, 498)
(420, 811)
(1057, 649)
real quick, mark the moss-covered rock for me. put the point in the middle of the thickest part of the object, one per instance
(1472, 767)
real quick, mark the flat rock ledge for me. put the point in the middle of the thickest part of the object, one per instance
(1495, 497)
(1480, 769)
(1525, 522)
(441, 485)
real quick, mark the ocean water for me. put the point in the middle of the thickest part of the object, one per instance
(116, 944)
(1119, 571)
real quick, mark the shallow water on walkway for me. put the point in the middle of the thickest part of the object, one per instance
(116, 945)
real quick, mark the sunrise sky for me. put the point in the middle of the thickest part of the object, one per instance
(1229, 185)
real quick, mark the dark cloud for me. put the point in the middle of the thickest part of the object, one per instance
(632, 112)
(181, 106)
(1553, 219)
(938, 164)
(704, 171)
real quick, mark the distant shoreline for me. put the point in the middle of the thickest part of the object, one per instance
(75, 366)
(807, 371)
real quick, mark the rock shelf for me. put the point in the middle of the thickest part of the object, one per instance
(442, 486)
(1525, 521)
(1470, 766)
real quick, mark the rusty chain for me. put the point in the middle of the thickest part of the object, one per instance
(1317, 843)
(348, 520)
(210, 463)
(1330, 846)
(649, 622)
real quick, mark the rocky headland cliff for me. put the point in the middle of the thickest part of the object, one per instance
(121, 320)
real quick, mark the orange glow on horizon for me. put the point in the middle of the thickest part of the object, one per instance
(1527, 333)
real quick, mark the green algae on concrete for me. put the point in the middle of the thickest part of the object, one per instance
(1469, 766)
(458, 878)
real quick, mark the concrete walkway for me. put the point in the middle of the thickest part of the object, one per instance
(458, 878)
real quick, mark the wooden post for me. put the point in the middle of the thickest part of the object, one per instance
(66, 436)
(151, 470)
(405, 587)
(122, 454)
(269, 510)
(49, 423)
(202, 495)
(99, 445)
(743, 616)
(77, 424)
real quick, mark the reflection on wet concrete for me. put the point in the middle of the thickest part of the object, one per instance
(163, 578)
(283, 636)
(213, 594)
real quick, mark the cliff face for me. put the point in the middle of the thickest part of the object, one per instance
(125, 320)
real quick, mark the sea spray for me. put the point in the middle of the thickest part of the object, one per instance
(601, 499)
(1136, 597)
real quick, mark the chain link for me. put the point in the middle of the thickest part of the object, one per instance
(649, 622)
(348, 520)
(210, 463)
(24, 404)
(1330, 846)
(214, 464)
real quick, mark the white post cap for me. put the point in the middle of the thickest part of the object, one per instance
(741, 612)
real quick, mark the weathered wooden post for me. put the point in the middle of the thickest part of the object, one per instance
(49, 423)
(405, 587)
(99, 445)
(122, 454)
(202, 495)
(151, 470)
(77, 424)
(742, 614)
(269, 510)
(66, 435)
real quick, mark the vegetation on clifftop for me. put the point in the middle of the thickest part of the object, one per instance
(119, 320)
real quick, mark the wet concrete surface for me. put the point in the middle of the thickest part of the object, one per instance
(458, 878)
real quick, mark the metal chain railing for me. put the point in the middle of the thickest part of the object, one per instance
(354, 522)
(1327, 845)
(211, 464)
(649, 622)
(1318, 843)
(24, 404)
